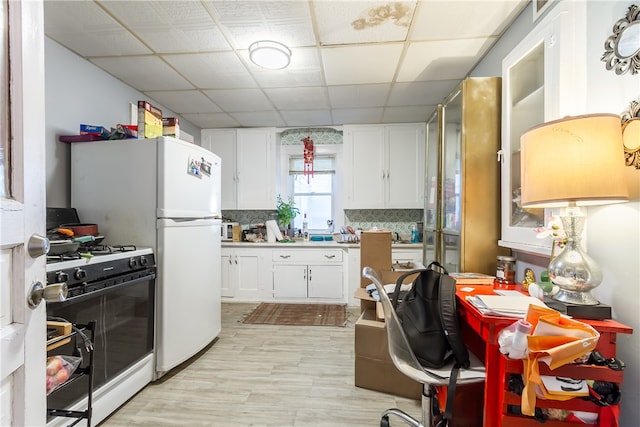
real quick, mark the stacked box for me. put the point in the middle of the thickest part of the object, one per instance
(374, 369)
(171, 127)
(149, 120)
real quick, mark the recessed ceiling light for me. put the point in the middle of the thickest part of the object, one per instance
(269, 54)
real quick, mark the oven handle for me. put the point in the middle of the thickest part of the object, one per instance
(103, 291)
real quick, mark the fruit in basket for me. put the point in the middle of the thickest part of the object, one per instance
(54, 363)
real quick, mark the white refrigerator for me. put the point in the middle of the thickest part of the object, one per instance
(162, 193)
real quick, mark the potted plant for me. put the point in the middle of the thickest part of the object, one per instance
(286, 212)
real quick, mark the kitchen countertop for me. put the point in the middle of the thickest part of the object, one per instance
(310, 244)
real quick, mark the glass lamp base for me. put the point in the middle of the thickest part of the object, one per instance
(575, 297)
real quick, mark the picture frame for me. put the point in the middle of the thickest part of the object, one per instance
(540, 7)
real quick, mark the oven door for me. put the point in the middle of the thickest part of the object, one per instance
(124, 315)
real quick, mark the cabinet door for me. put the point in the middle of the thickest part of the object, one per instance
(431, 182)
(452, 163)
(405, 145)
(406, 255)
(247, 273)
(223, 143)
(227, 270)
(255, 170)
(290, 281)
(325, 281)
(536, 89)
(366, 172)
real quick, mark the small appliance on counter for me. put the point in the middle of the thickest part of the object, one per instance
(227, 230)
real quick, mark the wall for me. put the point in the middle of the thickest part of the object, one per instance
(613, 232)
(76, 91)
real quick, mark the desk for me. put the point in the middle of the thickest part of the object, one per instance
(481, 335)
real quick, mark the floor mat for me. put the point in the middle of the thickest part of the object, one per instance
(298, 314)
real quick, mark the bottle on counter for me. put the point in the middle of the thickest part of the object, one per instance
(414, 234)
(305, 229)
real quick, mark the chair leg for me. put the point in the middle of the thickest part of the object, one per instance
(384, 421)
(427, 412)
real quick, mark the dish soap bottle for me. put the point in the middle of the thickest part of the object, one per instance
(414, 234)
(305, 229)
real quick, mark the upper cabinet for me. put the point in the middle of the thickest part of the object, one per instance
(384, 166)
(537, 89)
(462, 206)
(248, 166)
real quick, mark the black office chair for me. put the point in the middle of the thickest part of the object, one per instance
(405, 360)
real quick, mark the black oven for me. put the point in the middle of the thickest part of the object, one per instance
(117, 292)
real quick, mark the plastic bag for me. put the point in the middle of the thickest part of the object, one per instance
(59, 369)
(513, 339)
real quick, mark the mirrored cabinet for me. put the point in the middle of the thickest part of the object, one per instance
(462, 200)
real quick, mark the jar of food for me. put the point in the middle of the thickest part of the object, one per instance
(506, 271)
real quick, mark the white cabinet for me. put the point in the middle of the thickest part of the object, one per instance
(538, 86)
(385, 166)
(248, 166)
(308, 274)
(245, 273)
(404, 255)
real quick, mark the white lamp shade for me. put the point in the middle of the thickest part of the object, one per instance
(576, 160)
(270, 54)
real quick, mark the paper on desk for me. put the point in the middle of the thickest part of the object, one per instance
(500, 305)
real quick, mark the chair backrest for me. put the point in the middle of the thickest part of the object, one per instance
(399, 348)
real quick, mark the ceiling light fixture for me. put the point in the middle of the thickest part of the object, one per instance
(270, 54)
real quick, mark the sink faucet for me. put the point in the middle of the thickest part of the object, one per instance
(397, 236)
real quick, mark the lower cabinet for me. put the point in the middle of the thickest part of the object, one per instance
(244, 273)
(305, 274)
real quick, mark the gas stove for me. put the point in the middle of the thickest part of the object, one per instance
(100, 268)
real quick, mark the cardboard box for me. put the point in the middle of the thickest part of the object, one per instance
(149, 120)
(374, 369)
(171, 127)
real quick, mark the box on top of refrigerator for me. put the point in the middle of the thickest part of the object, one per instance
(149, 120)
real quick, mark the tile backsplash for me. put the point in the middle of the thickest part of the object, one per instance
(396, 220)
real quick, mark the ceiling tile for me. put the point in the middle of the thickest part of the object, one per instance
(342, 23)
(307, 117)
(184, 101)
(101, 34)
(421, 93)
(144, 73)
(439, 20)
(300, 97)
(287, 22)
(220, 70)
(234, 100)
(357, 115)
(212, 120)
(168, 27)
(259, 119)
(361, 64)
(358, 96)
(418, 113)
(441, 60)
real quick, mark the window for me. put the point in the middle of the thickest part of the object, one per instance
(313, 195)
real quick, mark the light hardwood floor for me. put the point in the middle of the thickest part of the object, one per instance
(263, 375)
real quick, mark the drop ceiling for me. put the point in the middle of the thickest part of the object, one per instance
(352, 61)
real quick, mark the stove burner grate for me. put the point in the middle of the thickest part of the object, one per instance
(110, 249)
(63, 257)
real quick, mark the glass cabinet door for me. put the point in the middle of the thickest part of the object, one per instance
(431, 173)
(451, 163)
(451, 252)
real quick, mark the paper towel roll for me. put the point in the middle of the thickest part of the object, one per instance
(273, 232)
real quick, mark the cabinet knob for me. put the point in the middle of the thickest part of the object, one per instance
(329, 256)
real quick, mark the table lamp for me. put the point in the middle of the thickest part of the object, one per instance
(568, 163)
